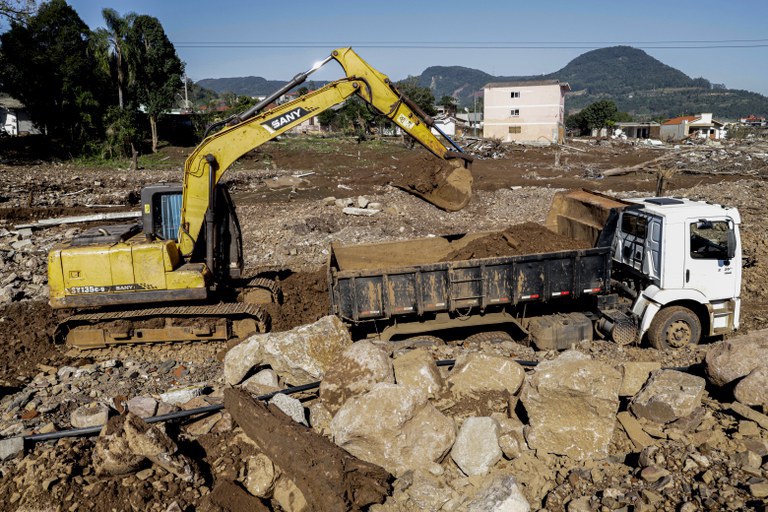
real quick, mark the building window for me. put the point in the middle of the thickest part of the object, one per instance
(515, 129)
(514, 94)
(514, 112)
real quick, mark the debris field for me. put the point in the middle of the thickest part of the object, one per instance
(480, 422)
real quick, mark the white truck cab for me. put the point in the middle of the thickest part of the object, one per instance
(683, 258)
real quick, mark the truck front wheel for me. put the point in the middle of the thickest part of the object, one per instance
(674, 327)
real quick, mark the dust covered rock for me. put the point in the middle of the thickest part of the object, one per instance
(736, 357)
(300, 356)
(572, 403)
(394, 427)
(476, 448)
(667, 396)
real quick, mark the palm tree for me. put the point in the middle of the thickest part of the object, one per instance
(115, 47)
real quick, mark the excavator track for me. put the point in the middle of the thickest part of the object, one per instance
(261, 290)
(218, 322)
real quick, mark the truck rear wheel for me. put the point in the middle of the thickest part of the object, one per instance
(674, 327)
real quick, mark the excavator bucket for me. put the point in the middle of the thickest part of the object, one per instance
(581, 214)
(445, 184)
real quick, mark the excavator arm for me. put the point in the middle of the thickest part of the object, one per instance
(451, 190)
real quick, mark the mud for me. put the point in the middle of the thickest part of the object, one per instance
(527, 238)
(26, 339)
(305, 300)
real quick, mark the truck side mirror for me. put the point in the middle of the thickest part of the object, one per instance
(731, 244)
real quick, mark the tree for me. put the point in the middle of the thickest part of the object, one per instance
(597, 115)
(449, 103)
(49, 65)
(157, 67)
(115, 49)
(422, 96)
(17, 11)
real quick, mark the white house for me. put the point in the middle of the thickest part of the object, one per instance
(526, 111)
(702, 126)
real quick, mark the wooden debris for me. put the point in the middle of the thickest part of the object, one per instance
(328, 476)
(42, 223)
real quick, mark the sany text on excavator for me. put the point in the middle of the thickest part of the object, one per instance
(187, 253)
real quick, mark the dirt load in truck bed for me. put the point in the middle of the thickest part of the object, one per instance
(526, 238)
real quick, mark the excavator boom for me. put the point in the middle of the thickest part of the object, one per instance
(450, 190)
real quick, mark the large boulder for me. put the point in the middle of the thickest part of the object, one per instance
(417, 369)
(477, 373)
(634, 375)
(395, 427)
(354, 372)
(477, 449)
(753, 389)
(571, 404)
(736, 357)
(667, 396)
(300, 356)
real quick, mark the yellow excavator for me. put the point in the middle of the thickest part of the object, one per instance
(177, 276)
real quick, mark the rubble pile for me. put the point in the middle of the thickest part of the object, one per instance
(481, 433)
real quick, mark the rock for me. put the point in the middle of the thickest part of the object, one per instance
(142, 406)
(290, 406)
(653, 473)
(417, 369)
(394, 427)
(355, 372)
(360, 212)
(179, 396)
(261, 474)
(151, 442)
(634, 430)
(571, 404)
(343, 203)
(10, 447)
(498, 494)
(736, 357)
(111, 454)
(329, 201)
(203, 426)
(300, 356)
(667, 396)
(759, 489)
(751, 390)
(320, 419)
(264, 382)
(362, 202)
(289, 497)
(634, 375)
(476, 448)
(420, 490)
(374, 206)
(476, 372)
(89, 415)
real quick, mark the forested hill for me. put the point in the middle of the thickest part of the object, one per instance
(637, 82)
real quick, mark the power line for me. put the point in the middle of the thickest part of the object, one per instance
(700, 44)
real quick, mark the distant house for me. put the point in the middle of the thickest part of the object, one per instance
(14, 119)
(649, 130)
(531, 111)
(702, 126)
(446, 123)
(472, 122)
(753, 121)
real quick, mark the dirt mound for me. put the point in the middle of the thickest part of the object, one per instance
(26, 331)
(305, 300)
(527, 238)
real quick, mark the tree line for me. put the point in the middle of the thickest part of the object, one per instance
(85, 88)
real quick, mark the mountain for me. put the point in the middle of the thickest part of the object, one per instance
(637, 82)
(249, 85)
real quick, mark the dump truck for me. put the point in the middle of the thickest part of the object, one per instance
(662, 269)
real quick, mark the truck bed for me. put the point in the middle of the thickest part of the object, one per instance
(387, 280)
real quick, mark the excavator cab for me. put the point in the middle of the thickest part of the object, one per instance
(161, 218)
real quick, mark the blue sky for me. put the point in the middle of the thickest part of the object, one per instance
(578, 25)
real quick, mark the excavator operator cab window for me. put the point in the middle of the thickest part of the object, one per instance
(161, 210)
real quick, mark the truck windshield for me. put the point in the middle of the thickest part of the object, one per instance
(709, 240)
